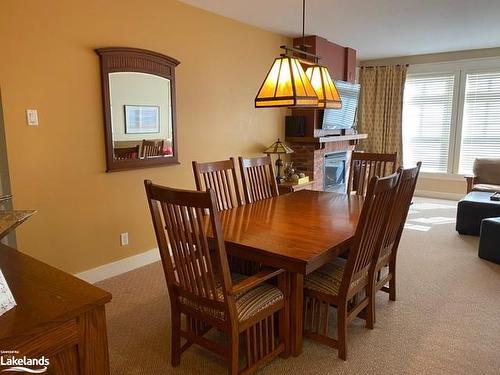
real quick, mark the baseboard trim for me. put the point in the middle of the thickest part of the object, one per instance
(112, 269)
(439, 195)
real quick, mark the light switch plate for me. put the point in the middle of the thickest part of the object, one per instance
(124, 239)
(32, 117)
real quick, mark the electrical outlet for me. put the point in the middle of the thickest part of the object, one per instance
(124, 239)
(32, 117)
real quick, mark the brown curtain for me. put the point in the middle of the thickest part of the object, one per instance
(381, 108)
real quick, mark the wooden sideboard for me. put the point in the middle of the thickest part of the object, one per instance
(57, 316)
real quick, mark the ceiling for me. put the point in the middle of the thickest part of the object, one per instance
(375, 28)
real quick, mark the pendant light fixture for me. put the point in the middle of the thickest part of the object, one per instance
(328, 95)
(287, 85)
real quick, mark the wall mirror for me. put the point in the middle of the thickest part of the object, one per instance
(138, 88)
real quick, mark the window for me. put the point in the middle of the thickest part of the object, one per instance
(427, 108)
(481, 119)
(453, 117)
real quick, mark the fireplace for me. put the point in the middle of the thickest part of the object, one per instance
(334, 174)
(311, 154)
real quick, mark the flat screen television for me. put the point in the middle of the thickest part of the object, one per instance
(343, 118)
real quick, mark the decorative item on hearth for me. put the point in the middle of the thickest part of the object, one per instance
(278, 148)
(294, 176)
(287, 85)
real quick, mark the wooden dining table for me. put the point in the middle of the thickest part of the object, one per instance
(298, 232)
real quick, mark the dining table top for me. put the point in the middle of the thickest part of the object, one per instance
(300, 231)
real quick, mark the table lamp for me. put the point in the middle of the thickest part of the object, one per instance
(278, 148)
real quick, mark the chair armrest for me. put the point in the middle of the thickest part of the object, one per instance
(471, 181)
(254, 280)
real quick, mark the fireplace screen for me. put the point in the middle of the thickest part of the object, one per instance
(335, 172)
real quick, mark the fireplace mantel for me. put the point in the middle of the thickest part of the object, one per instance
(327, 139)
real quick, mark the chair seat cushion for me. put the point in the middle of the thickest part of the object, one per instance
(385, 256)
(248, 303)
(328, 278)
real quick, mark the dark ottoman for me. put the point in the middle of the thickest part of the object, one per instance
(489, 244)
(473, 208)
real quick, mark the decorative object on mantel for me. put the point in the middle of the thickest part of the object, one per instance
(7, 300)
(287, 85)
(10, 219)
(278, 148)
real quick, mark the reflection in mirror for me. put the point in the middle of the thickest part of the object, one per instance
(141, 115)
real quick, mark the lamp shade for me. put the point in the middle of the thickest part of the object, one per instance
(278, 147)
(286, 85)
(328, 95)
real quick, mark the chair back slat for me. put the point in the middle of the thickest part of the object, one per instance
(371, 227)
(219, 176)
(365, 166)
(258, 177)
(182, 233)
(406, 189)
(151, 148)
(123, 153)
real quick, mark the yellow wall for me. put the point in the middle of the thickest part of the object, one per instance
(47, 62)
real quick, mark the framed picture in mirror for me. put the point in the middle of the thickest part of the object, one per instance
(138, 89)
(140, 119)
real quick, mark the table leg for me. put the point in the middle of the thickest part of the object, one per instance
(296, 312)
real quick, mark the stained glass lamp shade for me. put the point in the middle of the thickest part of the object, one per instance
(278, 147)
(286, 85)
(328, 95)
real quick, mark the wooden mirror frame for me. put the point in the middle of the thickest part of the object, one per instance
(123, 59)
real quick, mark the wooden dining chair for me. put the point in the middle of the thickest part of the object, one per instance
(365, 165)
(151, 148)
(386, 255)
(338, 283)
(219, 176)
(123, 153)
(258, 178)
(201, 288)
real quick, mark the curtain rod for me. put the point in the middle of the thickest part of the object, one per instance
(381, 66)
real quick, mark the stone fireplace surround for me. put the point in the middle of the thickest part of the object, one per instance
(309, 155)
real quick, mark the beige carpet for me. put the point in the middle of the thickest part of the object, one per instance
(446, 319)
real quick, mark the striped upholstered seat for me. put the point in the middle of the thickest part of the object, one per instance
(328, 278)
(248, 303)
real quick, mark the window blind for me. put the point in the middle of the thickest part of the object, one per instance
(427, 117)
(481, 119)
